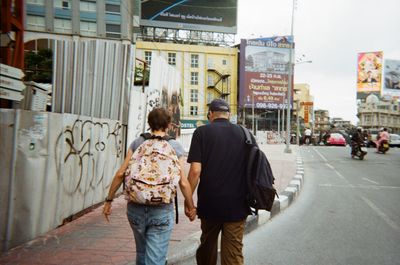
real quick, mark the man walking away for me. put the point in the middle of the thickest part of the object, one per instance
(218, 166)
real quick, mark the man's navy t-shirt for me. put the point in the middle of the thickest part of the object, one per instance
(220, 148)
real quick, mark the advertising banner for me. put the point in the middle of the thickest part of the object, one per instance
(264, 72)
(203, 15)
(164, 91)
(391, 85)
(369, 74)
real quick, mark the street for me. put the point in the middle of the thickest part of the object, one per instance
(347, 213)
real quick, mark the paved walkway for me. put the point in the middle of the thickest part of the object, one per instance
(91, 240)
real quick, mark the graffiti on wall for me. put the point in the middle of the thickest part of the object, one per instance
(86, 152)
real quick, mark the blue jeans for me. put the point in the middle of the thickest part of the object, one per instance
(152, 227)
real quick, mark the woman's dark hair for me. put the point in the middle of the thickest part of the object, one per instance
(159, 119)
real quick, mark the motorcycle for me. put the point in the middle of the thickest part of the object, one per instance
(358, 150)
(383, 147)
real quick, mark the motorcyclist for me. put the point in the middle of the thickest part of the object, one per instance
(356, 140)
(382, 136)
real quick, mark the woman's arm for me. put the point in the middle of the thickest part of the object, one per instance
(115, 184)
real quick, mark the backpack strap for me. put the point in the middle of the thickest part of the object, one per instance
(148, 136)
(247, 134)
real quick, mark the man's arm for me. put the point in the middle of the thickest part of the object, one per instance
(194, 175)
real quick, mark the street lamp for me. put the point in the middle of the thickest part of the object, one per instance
(289, 91)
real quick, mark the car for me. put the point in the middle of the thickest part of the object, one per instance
(394, 140)
(336, 139)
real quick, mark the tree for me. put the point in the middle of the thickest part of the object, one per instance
(39, 66)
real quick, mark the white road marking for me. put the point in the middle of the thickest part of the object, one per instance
(372, 187)
(389, 221)
(323, 158)
(370, 181)
(330, 166)
(337, 172)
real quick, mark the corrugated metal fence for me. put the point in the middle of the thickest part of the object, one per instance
(92, 78)
(53, 166)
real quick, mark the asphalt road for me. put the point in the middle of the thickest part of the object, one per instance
(347, 213)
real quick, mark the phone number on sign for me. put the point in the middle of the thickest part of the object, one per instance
(263, 105)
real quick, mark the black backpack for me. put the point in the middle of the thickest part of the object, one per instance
(260, 180)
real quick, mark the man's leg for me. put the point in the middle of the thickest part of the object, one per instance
(208, 250)
(232, 243)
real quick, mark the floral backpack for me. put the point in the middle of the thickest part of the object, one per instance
(153, 173)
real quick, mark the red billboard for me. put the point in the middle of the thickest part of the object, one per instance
(264, 72)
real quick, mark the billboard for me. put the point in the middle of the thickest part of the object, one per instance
(203, 15)
(264, 72)
(369, 74)
(391, 83)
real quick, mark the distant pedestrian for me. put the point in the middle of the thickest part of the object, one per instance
(152, 223)
(218, 166)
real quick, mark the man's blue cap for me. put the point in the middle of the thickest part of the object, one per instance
(219, 105)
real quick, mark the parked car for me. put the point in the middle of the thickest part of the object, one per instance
(336, 139)
(394, 140)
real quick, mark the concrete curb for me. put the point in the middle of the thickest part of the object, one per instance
(186, 249)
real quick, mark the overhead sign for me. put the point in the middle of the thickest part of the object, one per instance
(264, 72)
(203, 15)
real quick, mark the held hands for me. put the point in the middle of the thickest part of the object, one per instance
(107, 211)
(190, 212)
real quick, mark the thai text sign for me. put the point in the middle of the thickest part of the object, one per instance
(264, 72)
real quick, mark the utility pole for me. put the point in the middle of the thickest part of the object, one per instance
(252, 97)
(289, 91)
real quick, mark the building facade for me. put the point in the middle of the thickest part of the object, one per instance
(207, 72)
(303, 103)
(376, 113)
(322, 121)
(85, 18)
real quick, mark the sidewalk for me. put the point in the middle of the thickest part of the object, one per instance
(91, 240)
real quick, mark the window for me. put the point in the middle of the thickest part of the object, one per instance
(87, 6)
(194, 78)
(113, 31)
(88, 28)
(223, 62)
(113, 9)
(172, 58)
(35, 23)
(194, 60)
(64, 4)
(193, 110)
(62, 25)
(147, 57)
(194, 95)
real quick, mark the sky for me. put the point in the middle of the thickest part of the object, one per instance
(330, 34)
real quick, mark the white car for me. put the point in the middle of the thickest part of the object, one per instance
(394, 140)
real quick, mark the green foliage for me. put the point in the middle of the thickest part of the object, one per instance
(39, 66)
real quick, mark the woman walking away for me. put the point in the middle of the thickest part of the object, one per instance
(152, 172)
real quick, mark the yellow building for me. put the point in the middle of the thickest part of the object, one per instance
(208, 72)
(303, 103)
